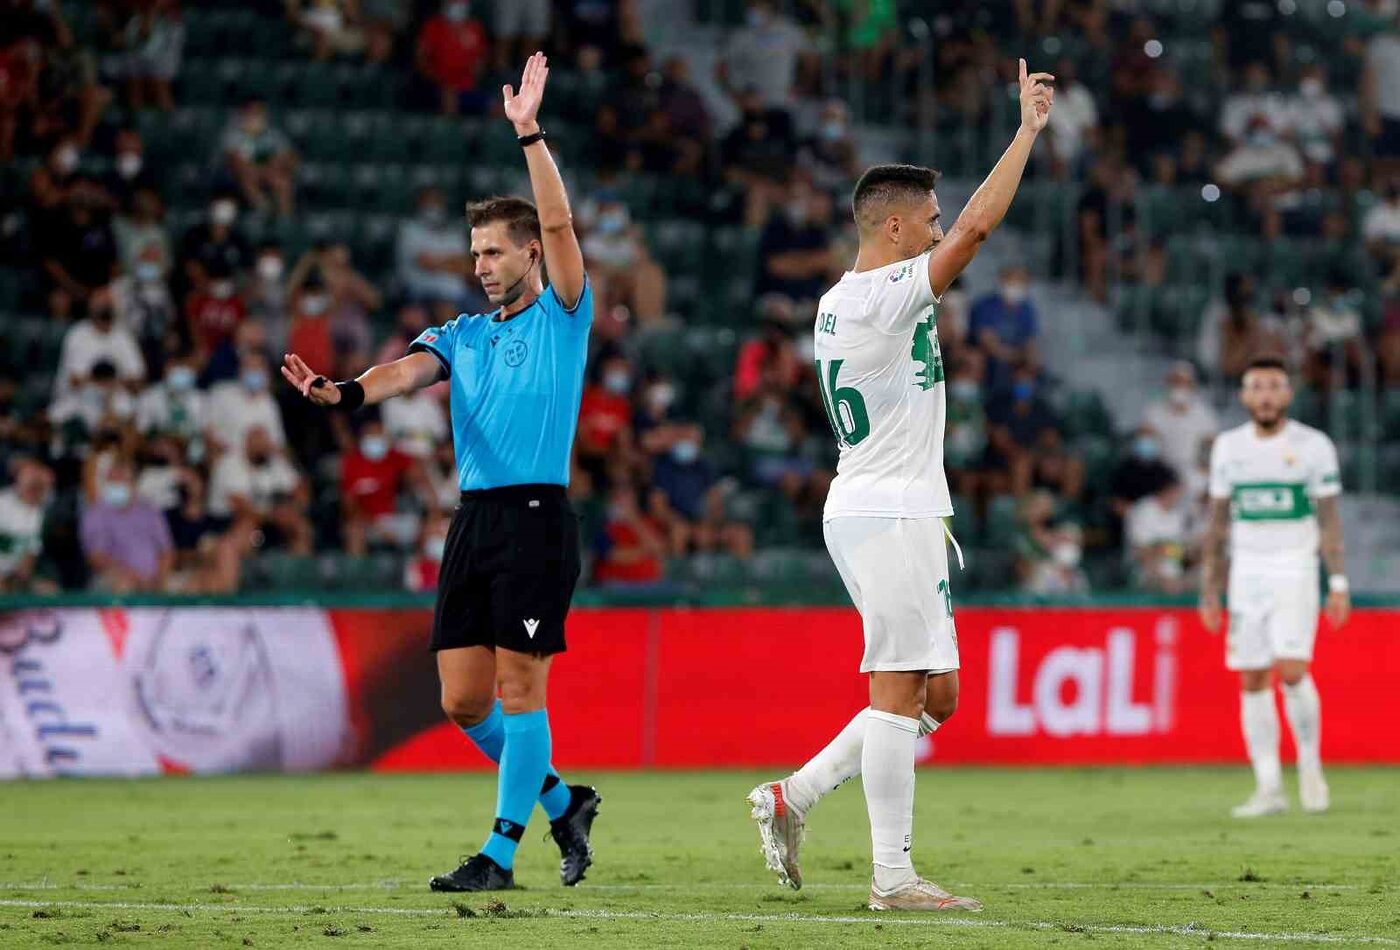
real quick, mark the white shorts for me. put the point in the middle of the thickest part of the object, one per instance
(896, 571)
(1273, 616)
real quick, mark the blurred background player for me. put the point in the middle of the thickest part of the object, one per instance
(882, 382)
(1275, 483)
(511, 558)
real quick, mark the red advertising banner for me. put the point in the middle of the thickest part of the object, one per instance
(145, 690)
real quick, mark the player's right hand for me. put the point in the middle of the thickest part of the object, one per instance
(1211, 612)
(313, 386)
(1036, 98)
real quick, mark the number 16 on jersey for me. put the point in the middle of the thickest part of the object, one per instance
(845, 406)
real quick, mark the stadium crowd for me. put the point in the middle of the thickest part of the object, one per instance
(166, 456)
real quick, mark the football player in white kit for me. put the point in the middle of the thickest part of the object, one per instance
(881, 379)
(1275, 487)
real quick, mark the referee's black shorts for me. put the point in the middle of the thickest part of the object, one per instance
(508, 571)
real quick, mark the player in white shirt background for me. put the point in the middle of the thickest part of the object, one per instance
(882, 382)
(1275, 487)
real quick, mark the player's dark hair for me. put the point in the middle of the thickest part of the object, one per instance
(1267, 361)
(520, 217)
(890, 184)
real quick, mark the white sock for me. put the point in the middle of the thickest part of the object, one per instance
(833, 765)
(838, 763)
(1304, 709)
(1259, 718)
(887, 768)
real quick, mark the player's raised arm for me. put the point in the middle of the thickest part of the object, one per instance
(989, 202)
(374, 385)
(562, 255)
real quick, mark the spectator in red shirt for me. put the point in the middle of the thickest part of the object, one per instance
(214, 312)
(605, 416)
(631, 545)
(309, 335)
(452, 49)
(372, 473)
(771, 355)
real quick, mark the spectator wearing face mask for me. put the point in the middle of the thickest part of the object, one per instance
(241, 405)
(125, 538)
(23, 507)
(687, 499)
(1141, 472)
(965, 433)
(98, 338)
(268, 294)
(620, 263)
(1019, 419)
(770, 356)
(1263, 159)
(213, 314)
(422, 569)
(214, 243)
(764, 54)
(630, 549)
(795, 246)
(1181, 418)
(256, 494)
(143, 242)
(653, 416)
(451, 54)
(1048, 554)
(1315, 117)
(416, 422)
(99, 401)
(1004, 325)
(309, 335)
(1381, 226)
(605, 415)
(130, 173)
(175, 406)
(1157, 541)
(372, 475)
(830, 156)
(431, 253)
(260, 159)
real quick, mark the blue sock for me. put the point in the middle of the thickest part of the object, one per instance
(489, 736)
(524, 763)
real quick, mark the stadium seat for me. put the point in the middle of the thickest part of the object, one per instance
(964, 520)
(1002, 521)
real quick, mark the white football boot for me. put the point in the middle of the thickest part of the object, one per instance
(920, 895)
(1262, 803)
(1313, 793)
(780, 831)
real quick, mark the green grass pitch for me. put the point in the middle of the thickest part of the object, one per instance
(1060, 857)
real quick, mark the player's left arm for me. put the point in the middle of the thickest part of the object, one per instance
(1329, 525)
(562, 254)
(989, 202)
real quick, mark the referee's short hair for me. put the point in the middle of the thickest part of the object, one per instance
(520, 217)
(883, 185)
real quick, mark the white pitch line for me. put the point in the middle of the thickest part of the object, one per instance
(1186, 930)
(391, 885)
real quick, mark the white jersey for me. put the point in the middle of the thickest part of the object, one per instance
(1272, 484)
(881, 377)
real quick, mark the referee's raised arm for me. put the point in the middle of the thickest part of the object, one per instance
(562, 256)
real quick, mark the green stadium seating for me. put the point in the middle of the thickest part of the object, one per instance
(1002, 521)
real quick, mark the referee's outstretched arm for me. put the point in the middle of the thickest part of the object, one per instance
(562, 256)
(374, 385)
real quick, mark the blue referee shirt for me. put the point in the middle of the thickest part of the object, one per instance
(516, 387)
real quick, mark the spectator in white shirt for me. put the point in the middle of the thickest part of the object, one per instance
(1262, 159)
(257, 491)
(1156, 531)
(237, 406)
(99, 400)
(175, 405)
(1181, 419)
(98, 339)
(1255, 100)
(22, 509)
(415, 423)
(432, 258)
(1381, 226)
(1315, 116)
(1074, 121)
(763, 54)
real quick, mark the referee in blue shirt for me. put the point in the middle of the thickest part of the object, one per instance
(512, 555)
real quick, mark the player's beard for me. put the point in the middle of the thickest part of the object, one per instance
(1270, 421)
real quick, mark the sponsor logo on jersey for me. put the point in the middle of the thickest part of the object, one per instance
(902, 272)
(1271, 502)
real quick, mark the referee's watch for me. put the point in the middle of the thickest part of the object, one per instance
(530, 139)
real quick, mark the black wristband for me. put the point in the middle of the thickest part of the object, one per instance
(525, 140)
(352, 395)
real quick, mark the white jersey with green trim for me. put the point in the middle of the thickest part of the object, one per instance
(1272, 483)
(881, 377)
